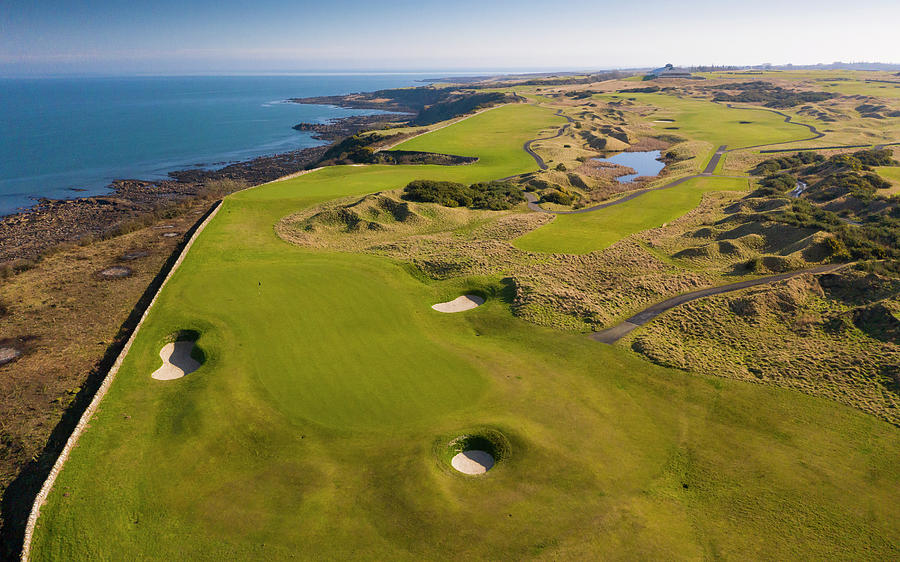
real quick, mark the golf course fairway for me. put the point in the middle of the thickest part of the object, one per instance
(581, 233)
(316, 426)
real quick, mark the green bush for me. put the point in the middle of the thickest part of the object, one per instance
(494, 196)
(779, 182)
(556, 196)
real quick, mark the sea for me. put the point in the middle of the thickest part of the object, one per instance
(70, 137)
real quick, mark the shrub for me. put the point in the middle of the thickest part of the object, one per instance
(556, 196)
(779, 182)
(494, 196)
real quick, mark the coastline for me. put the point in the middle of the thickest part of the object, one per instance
(28, 234)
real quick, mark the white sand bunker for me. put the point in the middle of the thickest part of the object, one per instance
(459, 304)
(177, 361)
(472, 462)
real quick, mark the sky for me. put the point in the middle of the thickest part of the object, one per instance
(112, 37)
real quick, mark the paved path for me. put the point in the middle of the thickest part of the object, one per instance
(817, 134)
(615, 333)
(707, 172)
(562, 130)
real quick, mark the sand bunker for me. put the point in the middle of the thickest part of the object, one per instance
(115, 272)
(170, 234)
(472, 462)
(177, 361)
(459, 304)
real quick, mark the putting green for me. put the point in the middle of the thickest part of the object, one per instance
(313, 428)
(581, 233)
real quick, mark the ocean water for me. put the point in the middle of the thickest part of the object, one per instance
(60, 135)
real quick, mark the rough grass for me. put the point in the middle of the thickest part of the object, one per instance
(793, 335)
(309, 430)
(588, 232)
(70, 316)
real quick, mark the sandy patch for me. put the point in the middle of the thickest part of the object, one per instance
(177, 361)
(459, 304)
(472, 462)
(115, 272)
(664, 121)
(8, 355)
(170, 234)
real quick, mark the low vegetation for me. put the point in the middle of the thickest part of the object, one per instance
(494, 196)
(767, 94)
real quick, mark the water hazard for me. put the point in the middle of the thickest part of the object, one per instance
(644, 163)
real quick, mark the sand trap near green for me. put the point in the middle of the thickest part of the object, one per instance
(472, 462)
(177, 361)
(459, 304)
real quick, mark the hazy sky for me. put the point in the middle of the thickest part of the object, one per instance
(216, 36)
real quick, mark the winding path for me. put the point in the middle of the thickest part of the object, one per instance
(562, 130)
(817, 134)
(707, 172)
(614, 334)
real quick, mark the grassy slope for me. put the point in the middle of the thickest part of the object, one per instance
(588, 232)
(296, 439)
(845, 82)
(892, 174)
(693, 118)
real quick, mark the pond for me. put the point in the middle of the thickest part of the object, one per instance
(644, 163)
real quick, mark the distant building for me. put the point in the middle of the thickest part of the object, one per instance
(668, 71)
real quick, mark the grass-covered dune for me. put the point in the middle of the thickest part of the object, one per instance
(318, 424)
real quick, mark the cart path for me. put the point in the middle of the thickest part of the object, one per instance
(614, 334)
(706, 173)
(562, 130)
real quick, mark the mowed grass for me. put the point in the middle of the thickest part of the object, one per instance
(312, 430)
(892, 174)
(581, 233)
(716, 123)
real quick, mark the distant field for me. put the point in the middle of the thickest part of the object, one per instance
(315, 427)
(693, 118)
(847, 82)
(588, 232)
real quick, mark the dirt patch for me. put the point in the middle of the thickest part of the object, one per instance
(9, 354)
(13, 349)
(134, 255)
(115, 272)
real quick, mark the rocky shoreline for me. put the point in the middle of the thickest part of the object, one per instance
(27, 235)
